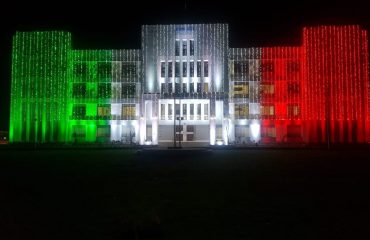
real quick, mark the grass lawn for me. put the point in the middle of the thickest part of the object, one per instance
(228, 194)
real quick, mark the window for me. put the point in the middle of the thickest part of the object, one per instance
(103, 111)
(241, 68)
(191, 111)
(241, 89)
(206, 111)
(267, 89)
(184, 88)
(191, 87)
(79, 90)
(199, 69)
(184, 69)
(177, 47)
(177, 69)
(191, 47)
(199, 111)
(205, 87)
(267, 110)
(177, 110)
(163, 69)
(129, 69)
(103, 131)
(184, 47)
(170, 71)
(267, 66)
(163, 88)
(169, 111)
(79, 111)
(128, 111)
(191, 68)
(79, 131)
(177, 88)
(104, 70)
(268, 132)
(104, 90)
(184, 110)
(293, 88)
(199, 87)
(292, 66)
(80, 69)
(241, 111)
(163, 111)
(170, 88)
(293, 110)
(128, 90)
(205, 68)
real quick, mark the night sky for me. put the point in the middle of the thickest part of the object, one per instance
(110, 26)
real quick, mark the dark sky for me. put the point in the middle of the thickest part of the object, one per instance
(111, 26)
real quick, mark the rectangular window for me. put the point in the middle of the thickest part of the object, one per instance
(184, 47)
(128, 90)
(293, 88)
(79, 90)
(191, 85)
(177, 88)
(103, 131)
(191, 47)
(169, 111)
(170, 88)
(103, 111)
(128, 111)
(267, 110)
(191, 68)
(184, 110)
(293, 66)
(184, 88)
(199, 68)
(184, 69)
(269, 132)
(205, 87)
(205, 68)
(191, 111)
(241, 89)
(80, 70)
(177, 47)
(170, 71)
(129, 69)
(79, 111)
(163, 88)
(163, 111)
(293, 110)
(267, 89)
(199, 87)
(163, 69)
(267, 66)
(104, 70)
(206, 111)
(177, 69)
(199, 111)
(241, 111)
(104, 90)
(241, 68)
(177, 110)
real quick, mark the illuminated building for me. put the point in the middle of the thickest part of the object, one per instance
(187, 83)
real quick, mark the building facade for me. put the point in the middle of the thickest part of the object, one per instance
(187, 84)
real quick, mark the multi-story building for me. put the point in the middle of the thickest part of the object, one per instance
(187, 84)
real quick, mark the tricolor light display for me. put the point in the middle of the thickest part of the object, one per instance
(316, 92)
